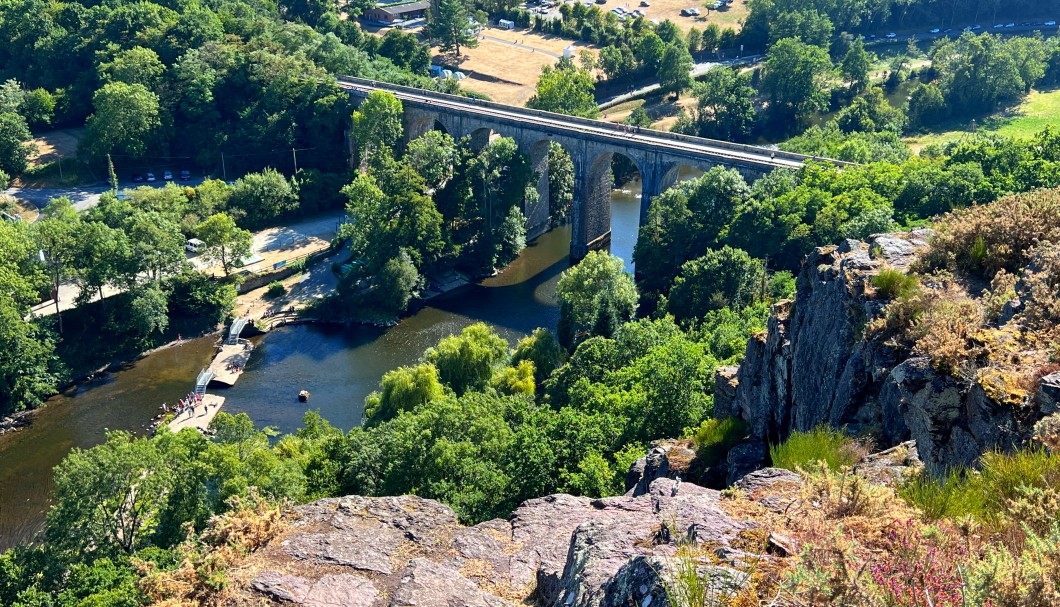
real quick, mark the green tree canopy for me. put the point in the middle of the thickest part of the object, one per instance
(126, 117)
(797, 80)
(377, 123)
(466, 361)
(722, 278)
(224, 241)
(595, 291)
(447, 22)
(565, 89)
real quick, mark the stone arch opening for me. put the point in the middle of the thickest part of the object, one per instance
(608, 216)
(481, 137)
(538, 212)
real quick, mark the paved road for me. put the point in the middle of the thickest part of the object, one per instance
(697, 70)
(84, 197)
(559, 124)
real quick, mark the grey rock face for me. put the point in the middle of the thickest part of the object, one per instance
(951, 422)
(658, 463)
(558, 550)
(814, 365)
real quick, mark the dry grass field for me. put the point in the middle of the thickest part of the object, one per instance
(507, 63)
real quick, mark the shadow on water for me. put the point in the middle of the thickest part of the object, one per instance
(341, 366)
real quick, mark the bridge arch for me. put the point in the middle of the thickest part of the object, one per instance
(592, 199)
(538, 212)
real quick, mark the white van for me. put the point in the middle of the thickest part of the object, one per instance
(193, 245)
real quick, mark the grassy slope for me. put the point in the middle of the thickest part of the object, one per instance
(1037, 111)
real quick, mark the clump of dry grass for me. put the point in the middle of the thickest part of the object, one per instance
(201, 576)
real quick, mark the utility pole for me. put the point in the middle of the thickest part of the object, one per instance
(224, 173)
(61, 165)
(294, 154)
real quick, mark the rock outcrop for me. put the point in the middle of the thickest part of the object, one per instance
(558, 550)
(816, 365)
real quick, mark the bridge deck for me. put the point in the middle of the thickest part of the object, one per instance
(198, 416)
(228, 365)
(580, 127)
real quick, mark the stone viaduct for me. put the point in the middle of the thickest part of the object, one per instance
(591, 144)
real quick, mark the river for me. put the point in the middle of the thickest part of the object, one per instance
(339, 366)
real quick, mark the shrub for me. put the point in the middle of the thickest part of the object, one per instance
(1006, 483)
(944, 330)
(822, 444)
(986, 238)
(893, 284)
(937, 498)
(715, 437)
(276, 289)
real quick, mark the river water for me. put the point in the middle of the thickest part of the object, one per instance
(339, 366)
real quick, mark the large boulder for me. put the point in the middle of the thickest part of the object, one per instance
(557, 550)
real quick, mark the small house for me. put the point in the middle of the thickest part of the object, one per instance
(396, 13)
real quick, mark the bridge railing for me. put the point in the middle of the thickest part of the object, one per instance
(738, 147)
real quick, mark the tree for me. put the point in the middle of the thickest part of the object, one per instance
(796, 80)
(264, 197)
(725, 106)
(14, 152)
(597, 288)
(126, 117)
(855, 67)
(565, 89)
(686, 221)
(402, 389)
(137, 65)
(38, 108)
(150, 310)
(406, 51)
(56, 238)
(617, 62)
(675, 69)
(225, 243)
(156, 242)
(466, 361)
(108, 498)
(395, 285)
(27, 359)
(722, 278)
(448, 23)
(560, 182)
(433, 155)
(649, 51)
(377, 123)
(927, 106)
(543, 350)
(808, 26)
(101, 256)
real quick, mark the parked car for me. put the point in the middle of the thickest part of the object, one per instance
(644, 3)
(892, 35)
(193, 245)
(137, 178)
(1050, 23)
(935, 30)
(167, 176)
(185, 175)
(151, 177)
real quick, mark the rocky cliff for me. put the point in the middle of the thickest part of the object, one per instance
(817, 364)
(557, 550)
